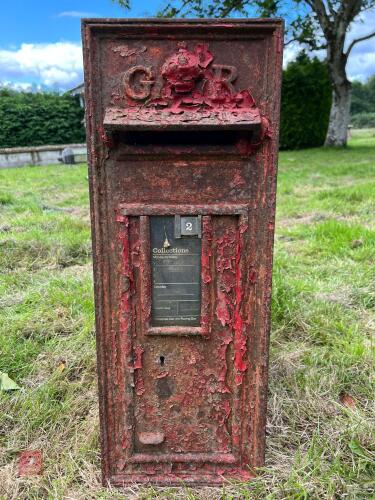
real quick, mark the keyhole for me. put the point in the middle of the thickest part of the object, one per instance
(162, 360)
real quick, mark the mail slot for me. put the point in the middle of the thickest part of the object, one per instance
(182, 129)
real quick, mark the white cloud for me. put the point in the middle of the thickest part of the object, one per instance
(22, 86)
(54, 64)
(361, 63)
(77, 13)
(290, 53)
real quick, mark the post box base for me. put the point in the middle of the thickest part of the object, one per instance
(121, 481)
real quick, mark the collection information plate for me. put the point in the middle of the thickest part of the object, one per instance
(176, 275)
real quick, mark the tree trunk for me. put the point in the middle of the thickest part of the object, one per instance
(337, 134)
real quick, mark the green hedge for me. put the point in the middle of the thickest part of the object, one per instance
(36, 119)
(363, 120)
(305, 103)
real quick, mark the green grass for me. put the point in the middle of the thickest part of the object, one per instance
(321, 346)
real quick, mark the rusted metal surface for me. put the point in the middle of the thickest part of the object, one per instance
(156, 119)
(183, 120)
(30, 463)
(194, 94)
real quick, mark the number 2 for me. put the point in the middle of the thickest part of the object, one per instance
(189, 226)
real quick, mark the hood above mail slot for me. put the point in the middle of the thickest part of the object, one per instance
(155, 119)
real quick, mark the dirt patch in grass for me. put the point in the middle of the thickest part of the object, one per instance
(81, 213)
(308, 219)
(341, 297)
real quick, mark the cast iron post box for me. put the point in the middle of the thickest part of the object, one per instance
(182, 123)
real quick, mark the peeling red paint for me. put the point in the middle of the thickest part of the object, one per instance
(240, 336)
(194, 93)
(138, 351)
(183, 71)
(106, 139)
(222, 311)
(179, 128)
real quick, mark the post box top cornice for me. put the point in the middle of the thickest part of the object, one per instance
(165, 25)
(259, 21)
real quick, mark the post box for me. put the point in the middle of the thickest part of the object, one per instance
(182, 128)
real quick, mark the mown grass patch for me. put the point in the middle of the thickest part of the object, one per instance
(321, 397)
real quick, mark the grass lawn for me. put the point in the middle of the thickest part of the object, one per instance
(321, 399)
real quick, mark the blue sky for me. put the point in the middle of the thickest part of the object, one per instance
(48, 21)
(40, 40)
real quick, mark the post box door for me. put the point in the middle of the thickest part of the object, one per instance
(187, 345)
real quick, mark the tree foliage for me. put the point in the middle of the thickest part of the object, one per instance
(363, 120)
(125, 4)
(305, 103)
(363, 97)
(34, 119)
(308, 21)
